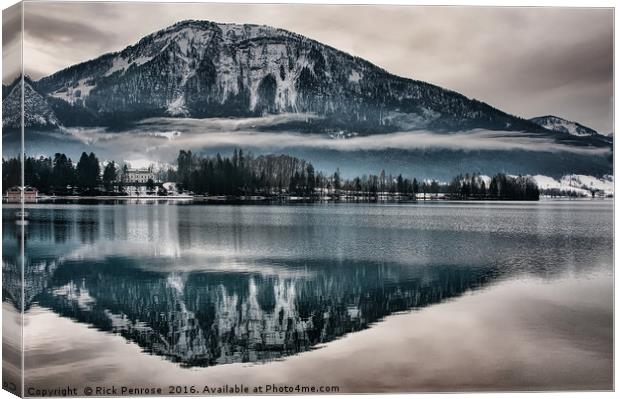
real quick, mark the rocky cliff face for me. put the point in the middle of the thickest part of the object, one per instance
(204, 69)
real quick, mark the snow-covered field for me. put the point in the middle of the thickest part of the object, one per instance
(578, 184)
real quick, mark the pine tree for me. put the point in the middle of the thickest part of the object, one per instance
(63, 174)
(337, 180)
(310, 180)
(109, 176)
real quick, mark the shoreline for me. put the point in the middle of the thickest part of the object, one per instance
(232, 200)
(262, 200)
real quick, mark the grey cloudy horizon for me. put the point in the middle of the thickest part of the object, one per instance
(524, 61)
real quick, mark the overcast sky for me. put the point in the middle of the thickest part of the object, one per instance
(525, 61)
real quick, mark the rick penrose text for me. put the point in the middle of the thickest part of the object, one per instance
(115, 390)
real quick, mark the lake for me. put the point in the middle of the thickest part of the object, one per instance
(353, 297)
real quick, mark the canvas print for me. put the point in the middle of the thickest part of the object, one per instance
(213, 199)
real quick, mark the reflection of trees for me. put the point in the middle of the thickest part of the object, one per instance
(36, 280)
(11, 259)
(39, 263)
(201, 319)
(279, 307)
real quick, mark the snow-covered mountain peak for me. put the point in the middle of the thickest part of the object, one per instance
(205, 69)
(190, 37)
(228, 31)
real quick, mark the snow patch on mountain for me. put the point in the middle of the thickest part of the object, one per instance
(121, 64)
(562, 125)
(355, 76)
(177, 107)
(118, 64)
(75, 94)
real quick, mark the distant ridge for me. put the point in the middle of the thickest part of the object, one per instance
(562, 125)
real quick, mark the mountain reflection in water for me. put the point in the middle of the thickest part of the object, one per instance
(208, 291)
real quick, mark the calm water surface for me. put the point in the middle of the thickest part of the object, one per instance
(204, 291)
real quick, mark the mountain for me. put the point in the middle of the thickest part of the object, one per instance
(562, 125)
(205, 69)
(37, 110)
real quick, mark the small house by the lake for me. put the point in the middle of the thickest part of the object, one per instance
(13, 194)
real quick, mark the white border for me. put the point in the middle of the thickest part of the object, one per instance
(555, 3)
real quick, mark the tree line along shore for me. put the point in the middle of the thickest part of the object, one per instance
(243, 175)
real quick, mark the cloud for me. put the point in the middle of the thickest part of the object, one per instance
(467, 141)
(172, 135)
(11, 25)
(224, 124)
(60, 30)
(11, 43)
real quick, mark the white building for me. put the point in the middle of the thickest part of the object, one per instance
(139, 176)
